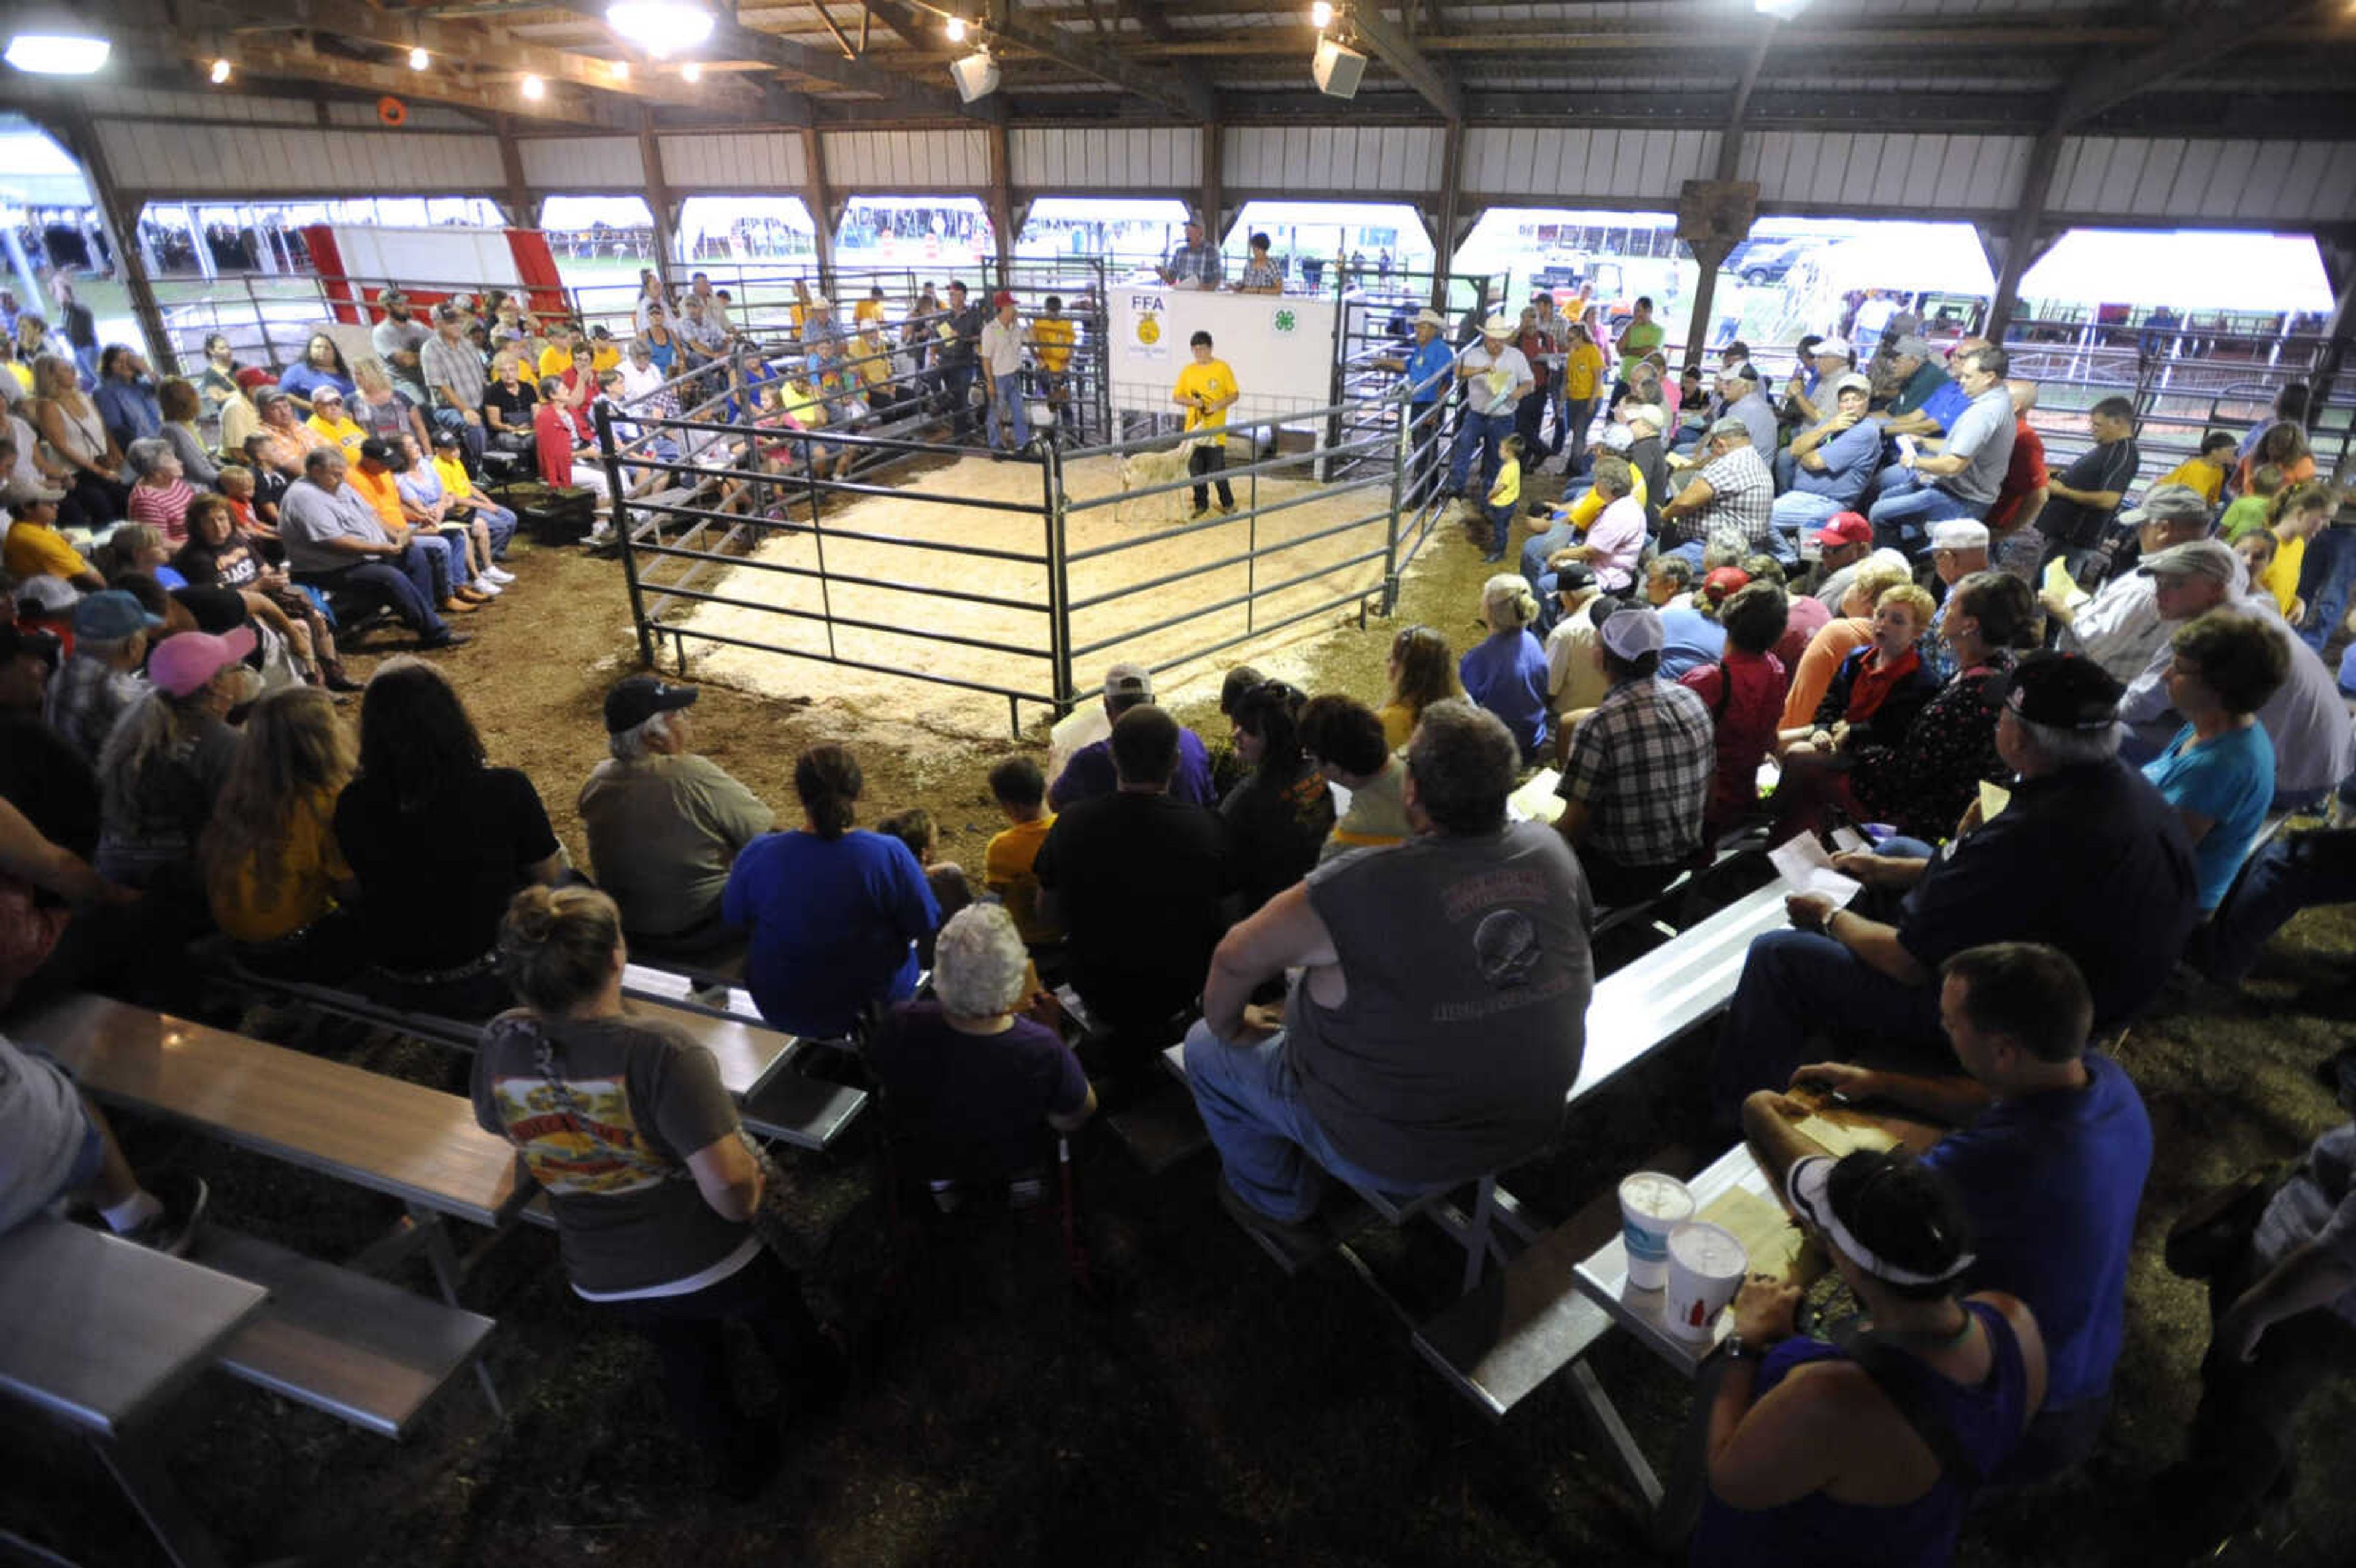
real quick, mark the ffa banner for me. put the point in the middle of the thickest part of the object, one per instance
(1280, 346)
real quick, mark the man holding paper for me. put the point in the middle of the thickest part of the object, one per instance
(1496, 378)
(2120, 627)
(2049, 1153)
(2087, 857)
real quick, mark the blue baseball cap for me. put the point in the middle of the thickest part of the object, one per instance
(111, 614)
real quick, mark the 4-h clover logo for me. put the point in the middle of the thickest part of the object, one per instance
(1285, 319)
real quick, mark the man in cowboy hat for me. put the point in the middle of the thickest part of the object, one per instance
(1426, 368)
(1496, 378)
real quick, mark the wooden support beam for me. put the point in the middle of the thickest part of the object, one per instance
(465, 44)
(523, 212)
(1729, 141)
(1443, 243)
(1002, 205)
(1215, 179)
(2205, 35)
(2021, 246)
(1430, 81)
(819, 199)
(295, 62)
(1190, 99)
(659, 200)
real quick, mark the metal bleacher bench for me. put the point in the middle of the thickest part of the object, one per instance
(756, 1064)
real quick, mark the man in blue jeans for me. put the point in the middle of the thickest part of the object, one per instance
(1000, 351)
(1962, 479)
(334, 540)
(1438, 1028)
(1496, 379)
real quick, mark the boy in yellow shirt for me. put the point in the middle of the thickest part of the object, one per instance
(1206, 389)
(2205, 471)
(1052, 337)
(1021, 790)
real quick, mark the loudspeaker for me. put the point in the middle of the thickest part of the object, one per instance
(976, 76)
(1338, 70)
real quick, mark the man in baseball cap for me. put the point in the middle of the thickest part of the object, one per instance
(2306, 719)
(1090, 772)
(664, 823)
(1828, 466)
(1636, 771)
(2122, 626)
(2086, 856)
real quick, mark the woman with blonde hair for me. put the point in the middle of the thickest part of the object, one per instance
(1506, 672)
(177, 401)
(273, 874)
(383, 409)
(74, 429)
(1422, 672)
(622, 1119)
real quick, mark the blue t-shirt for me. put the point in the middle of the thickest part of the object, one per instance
(1690, 640)
(833, 924)
(1091, 772)
(1850, 459)
(2228, 780)
(1946, 405)
(1507, 675)
(301, 380)
(1431, 363)
(2052, 1182)
(2348, 672)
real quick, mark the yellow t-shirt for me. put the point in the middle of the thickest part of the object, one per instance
(1006, 870)
(1053, 336)
(807, 410)
(36, 550)
(1508, 487)
(1589, 507)
(603, 357)
(2281, 578)
(1581, 367)
(1399, 725)
(554, 361)
(22, 372)
(309, 865)
(1212, 381)
(2205, 477)
(340, 432)
(867, 310)
(456, 483)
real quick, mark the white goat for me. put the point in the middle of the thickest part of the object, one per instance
(1145, 470)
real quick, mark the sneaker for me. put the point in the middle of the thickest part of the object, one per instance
(500, 575)
(184, 1198)
(484, 586)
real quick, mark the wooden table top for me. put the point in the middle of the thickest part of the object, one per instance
(416, 1144)
(100, 1330)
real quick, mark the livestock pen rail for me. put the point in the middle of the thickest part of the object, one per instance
(891, 554)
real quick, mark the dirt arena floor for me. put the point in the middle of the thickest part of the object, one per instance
(1204, 1409)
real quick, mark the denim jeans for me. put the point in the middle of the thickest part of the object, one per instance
(2294, 872)
(1537, 549)
(1273, 1152)
(1578, 414)
(405, 579)
(1903, 521)
(1795, 514)
(2324, 582)
(1481, 432)
(1798, 984)
(1007, 408)
(500, 524)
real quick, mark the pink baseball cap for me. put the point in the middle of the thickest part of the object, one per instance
(183, 662)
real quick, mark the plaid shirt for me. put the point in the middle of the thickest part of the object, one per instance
(1742, 493)
(1641, 764)
(1198, 262)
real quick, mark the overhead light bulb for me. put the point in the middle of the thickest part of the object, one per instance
(691, 72)
(56, 54)
(956, 29)
(534, 88)
(1781, 10)
(661, 27)
(621, 70)
(419, 59)
(219, 72)
(1321, 16)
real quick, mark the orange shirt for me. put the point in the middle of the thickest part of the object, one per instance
(1841, 637)
(382, 491)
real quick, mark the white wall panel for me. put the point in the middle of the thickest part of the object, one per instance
(230, 160)
(739, 161)
(1306, 159)
(583, 163)
(948, 160)
(2205, 182)
(1915, 172)
(232, 107)
(1571, 165)
(1106, 157)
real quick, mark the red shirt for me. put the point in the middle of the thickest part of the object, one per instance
(552, 432)
(1808, 616)
(2022, 476)
(1745, 719)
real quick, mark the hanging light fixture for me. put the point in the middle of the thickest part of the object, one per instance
(692, 72)
(419, 59)
(534, 88)
(621, 70)
(955, 28)
(220, 73)
(57, 49)
(1321, 16)
(661, 27)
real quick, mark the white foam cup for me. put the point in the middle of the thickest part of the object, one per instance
(1651, 1206)
(1707, 1264)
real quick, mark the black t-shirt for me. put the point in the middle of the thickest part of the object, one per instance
(436, 880)
(515, 407)
(1139, 878)
(51, 782)
(2107, 465)
(2089, 858)
(231, 564)
(1277, 829)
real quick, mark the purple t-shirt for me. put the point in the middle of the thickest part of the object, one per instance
(1090, 773)
(973, 1105)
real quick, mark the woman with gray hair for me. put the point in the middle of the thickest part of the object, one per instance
(971, 1084)
(162, 495)
(1507, 672)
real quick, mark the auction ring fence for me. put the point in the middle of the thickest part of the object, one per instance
(756, 550)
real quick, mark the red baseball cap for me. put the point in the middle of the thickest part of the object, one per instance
(1726, 579)
(1845, 527)
(1002, 296)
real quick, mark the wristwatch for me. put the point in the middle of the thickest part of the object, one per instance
(1734, 1349)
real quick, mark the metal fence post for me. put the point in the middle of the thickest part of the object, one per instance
(1401, 452)
(1059, 587)
(617, 489)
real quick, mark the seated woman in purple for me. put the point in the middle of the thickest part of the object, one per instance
(1865, 1451)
